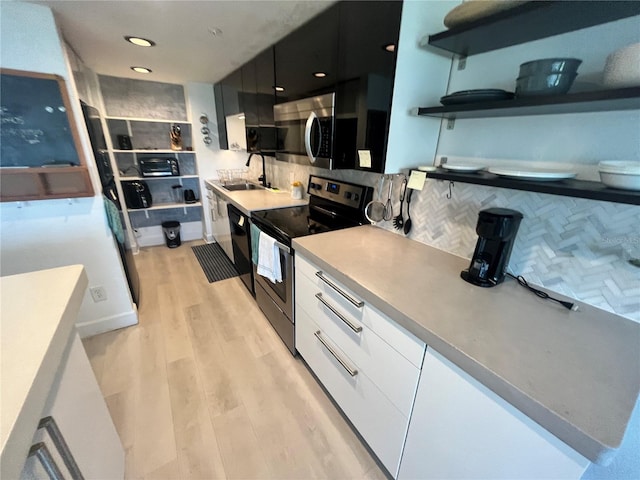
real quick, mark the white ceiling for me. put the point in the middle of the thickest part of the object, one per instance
(186, 50)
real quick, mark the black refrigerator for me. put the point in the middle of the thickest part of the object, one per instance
(108, 182)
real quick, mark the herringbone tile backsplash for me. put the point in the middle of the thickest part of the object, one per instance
(580, 248)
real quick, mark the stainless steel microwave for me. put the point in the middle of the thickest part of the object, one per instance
(305, 130)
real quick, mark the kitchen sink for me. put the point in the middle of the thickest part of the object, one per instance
(242, 186)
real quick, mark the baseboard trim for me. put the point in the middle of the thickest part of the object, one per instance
(102, 325)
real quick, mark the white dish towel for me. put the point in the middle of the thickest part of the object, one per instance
(269, 258)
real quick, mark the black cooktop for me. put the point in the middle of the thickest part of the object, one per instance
(327, 210)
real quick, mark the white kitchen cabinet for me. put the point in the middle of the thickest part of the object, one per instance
(460, 429)
(220, 227)
(80, 412)
(368, 364)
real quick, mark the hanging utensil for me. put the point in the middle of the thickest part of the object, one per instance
(398, 221)
(407, 224)
(388, 207)
(374, 211)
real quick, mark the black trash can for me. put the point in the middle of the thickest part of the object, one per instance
(171, 231)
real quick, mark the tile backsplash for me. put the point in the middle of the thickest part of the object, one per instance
(585, 249)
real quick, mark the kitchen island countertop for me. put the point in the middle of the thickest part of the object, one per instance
(577, 374)
(38, 312)
(248, 201)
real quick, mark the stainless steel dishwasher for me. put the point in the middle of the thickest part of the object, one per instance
(241, 242)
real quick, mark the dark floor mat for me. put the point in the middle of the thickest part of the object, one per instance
(214, 262)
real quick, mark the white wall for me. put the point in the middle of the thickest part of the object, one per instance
(48, 233)
(421, 78)
(210, 158)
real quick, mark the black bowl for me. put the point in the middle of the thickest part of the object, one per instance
(544, 84)
(549, 65)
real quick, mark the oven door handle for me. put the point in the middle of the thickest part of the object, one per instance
(307, 136)
(280, 245)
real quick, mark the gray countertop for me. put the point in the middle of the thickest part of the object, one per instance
(577, 374)
(248, 201)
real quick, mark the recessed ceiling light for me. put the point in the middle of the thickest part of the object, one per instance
(141, 42)
(141, 69)
(319, 74)
(390, 47)
(216, 32)
(278, 89)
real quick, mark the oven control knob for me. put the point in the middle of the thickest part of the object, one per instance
(314, 186)
(347, 195)
(356, 197)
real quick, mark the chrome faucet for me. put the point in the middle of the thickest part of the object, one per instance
(263, 178)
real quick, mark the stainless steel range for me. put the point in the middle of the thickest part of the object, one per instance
(332, 205)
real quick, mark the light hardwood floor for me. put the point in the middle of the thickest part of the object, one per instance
(204, 388)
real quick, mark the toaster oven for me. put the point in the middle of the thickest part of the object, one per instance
(159, 167)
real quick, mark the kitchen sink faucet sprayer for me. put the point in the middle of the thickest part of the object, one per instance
(263, 178)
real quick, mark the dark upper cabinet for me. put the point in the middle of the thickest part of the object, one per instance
(244, 106)
(364, 87)
(341, 50)
(259, 97)
(309, 50)
(230, 111)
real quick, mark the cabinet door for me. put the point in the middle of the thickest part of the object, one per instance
(258, 100)
(77, 406)
(459, 429)
(364, 89)
(310, 49)
(230, 112)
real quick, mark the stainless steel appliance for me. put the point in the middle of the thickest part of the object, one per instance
(332, 205)
(496, 229)
(159, 167)
(305, 130)
(241, 242)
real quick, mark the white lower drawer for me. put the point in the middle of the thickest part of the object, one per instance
(377, 420)
(392, 373)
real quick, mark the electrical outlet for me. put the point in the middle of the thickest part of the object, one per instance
(99, 294)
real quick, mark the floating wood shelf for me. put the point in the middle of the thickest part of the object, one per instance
(567, 188)
(530, 21)
(596, 101)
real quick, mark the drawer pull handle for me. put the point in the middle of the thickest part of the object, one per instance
(349, 323)
(352, 371)
(50, 425)
(42, 453)
(357, 303)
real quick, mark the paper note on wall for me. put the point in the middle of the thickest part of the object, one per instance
(364, 158)
(241, 221)
(416, 180)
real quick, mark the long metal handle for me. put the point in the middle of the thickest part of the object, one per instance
(280, 245)
(355, 302)
(50, 425)
(42, 453)
(307, 136)
(349, 323)
(352, 371)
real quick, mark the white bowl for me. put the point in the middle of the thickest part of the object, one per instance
(622, 68)
(620, 180)
(620, 166)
